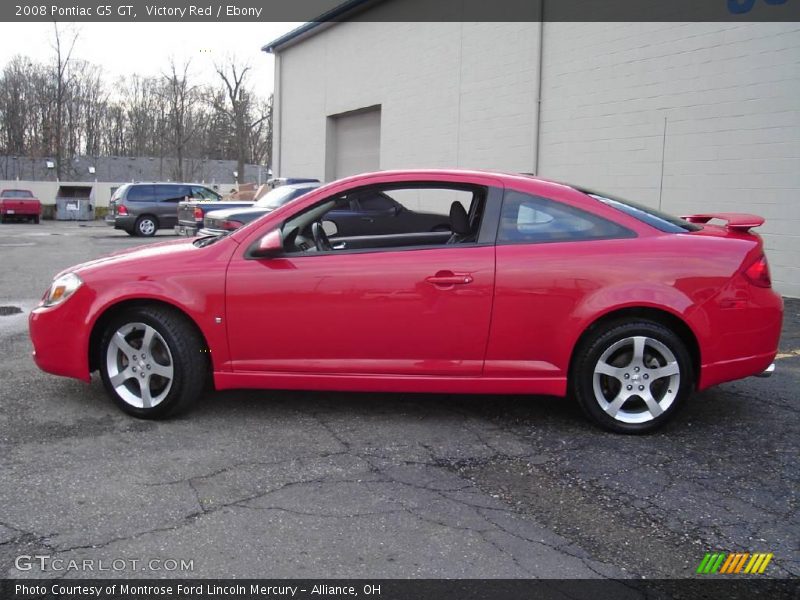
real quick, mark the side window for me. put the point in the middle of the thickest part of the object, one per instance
(201, 193)
(375, 202)
(171, 193)
(531, 219)
(407, 215)
(140, 193)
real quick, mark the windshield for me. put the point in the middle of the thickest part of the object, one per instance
(655, 218)
(279, 196)
(16, 194)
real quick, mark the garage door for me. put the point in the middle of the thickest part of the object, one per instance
(354, 143)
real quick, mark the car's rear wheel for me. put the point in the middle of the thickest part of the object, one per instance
(36, 220)
(632, 377)
(146, 226)
(153, 362)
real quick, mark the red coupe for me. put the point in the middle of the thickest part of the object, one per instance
(537, 288)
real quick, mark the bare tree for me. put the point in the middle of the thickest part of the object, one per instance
(237, 108)
(260, 135)
(63, 54)
(181, 98)
(14, 114)
(64, 109)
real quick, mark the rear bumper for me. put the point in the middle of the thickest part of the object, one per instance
(19, 212)
(742, 342)
(186, 229)
(731, 370)
(767, 372)
(125, 222)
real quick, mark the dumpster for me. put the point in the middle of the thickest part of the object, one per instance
(75, 203)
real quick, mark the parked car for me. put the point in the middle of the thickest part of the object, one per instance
(217, 222)
(19, 204)
(191, 215)
(143, 208)
(539, 288)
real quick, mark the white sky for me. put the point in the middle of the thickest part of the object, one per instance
(145, 48)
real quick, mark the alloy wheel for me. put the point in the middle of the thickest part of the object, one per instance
(139, 365)
(636, 379)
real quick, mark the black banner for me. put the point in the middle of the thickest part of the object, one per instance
(711, 588)
(401, 10)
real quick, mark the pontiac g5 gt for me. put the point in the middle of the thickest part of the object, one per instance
(536, 288)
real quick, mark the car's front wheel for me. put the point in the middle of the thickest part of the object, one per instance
(152, 362)
(146, 226)
(632, 377)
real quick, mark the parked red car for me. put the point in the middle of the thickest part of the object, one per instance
(19, 204)
(540, 288)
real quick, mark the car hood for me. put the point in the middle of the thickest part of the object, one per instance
(161, 252)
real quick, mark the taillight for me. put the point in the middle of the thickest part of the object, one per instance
(758, 273)
(122, 210)
(198, 213)
(230, 224)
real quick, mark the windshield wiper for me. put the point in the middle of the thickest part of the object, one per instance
(207, 240)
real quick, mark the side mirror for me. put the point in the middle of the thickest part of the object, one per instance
(270, 244)
(330, 228)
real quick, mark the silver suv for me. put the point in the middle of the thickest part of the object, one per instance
(144, 208)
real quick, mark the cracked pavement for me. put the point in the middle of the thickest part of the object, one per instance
(300, 484)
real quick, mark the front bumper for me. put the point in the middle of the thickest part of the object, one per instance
(60, 337)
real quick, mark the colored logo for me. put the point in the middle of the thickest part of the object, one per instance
(736, 562)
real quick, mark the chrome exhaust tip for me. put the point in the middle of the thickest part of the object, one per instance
(767, 372)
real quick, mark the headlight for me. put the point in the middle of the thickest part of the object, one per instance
(61, 289)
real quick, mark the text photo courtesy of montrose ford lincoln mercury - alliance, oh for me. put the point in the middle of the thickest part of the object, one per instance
(533, 287)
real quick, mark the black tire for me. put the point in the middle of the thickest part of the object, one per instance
(186, 354)
(146, 226)
(612, 400)
(35, 220)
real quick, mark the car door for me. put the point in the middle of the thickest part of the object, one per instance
(401, 311)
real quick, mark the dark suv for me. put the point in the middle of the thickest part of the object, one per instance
(144, 208)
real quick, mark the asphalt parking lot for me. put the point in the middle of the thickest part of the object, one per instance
(300, 484)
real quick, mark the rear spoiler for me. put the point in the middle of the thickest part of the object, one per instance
(735, 221)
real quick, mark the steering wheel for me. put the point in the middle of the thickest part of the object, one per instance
(321, 240)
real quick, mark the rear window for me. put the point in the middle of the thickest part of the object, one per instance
(120, 192)
(140, 193)
(532, 219)
(16, 194)
(655, 218)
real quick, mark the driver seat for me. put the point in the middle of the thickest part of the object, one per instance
(459, 224)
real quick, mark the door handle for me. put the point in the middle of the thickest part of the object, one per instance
(368, 219)
(449, 278)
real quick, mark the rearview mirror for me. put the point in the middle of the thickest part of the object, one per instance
(270, 244)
